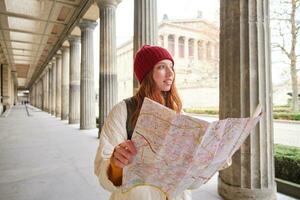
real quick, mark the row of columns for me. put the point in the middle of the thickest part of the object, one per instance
(190, 47)
(68, 81)
(70, 87)
(8, 88)
(244, 82)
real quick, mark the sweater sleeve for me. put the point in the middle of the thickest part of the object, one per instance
(113, 133)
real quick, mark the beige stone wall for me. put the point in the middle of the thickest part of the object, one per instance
(125, 71)
(199, 97)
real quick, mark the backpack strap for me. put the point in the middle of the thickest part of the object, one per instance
(131, 107)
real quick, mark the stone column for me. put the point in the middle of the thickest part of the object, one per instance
(202, 50)
(166, 41)
(176, 46)
(145, 27)
(186, 48)
(15, 94)
(35, 95)
(65, 83)
(208, 51)
(58, 85)
(53, 109)
(50, 88)
(41, 94)
(87, 88)
(74, 90)
(32, 95)
(245, 81)
(195, 50)
(39, 102)
(7, 86)
(37, 92)
(108, 86)
(45, 92)
(36, 87)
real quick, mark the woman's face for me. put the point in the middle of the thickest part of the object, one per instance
(163, 75)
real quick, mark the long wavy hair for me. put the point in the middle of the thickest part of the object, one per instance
(148, 89)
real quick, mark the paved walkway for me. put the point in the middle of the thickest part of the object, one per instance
(42, 157)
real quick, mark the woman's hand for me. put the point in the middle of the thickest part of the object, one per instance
(123, 154)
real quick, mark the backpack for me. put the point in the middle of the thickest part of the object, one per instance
(131, 107)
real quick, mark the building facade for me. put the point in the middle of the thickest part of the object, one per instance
(194, 44)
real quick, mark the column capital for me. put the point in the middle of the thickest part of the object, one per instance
(108, 3)
(49, 66)
(74, 39)
(58, 55)
(64, 48)
(53, 60)
(87, 24)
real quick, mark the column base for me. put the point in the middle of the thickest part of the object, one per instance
(64, 117)
(87, 127)
(229, 192)
(74, 121)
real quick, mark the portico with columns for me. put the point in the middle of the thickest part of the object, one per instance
(62, 84)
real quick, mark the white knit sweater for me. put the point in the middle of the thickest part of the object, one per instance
(113, 133)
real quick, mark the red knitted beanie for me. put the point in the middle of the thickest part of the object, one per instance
(146, 57)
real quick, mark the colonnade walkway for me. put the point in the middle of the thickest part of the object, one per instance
(42, 157)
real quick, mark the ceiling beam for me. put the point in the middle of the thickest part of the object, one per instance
(24, 60)
(66, 3)
(21, 55)
(20, 49)
(22, 16)
(25, 42)
(28, 32)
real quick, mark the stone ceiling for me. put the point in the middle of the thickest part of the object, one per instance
(31, 32)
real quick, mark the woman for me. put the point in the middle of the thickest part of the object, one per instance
(154, 68)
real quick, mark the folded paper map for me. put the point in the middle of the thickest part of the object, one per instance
(176, 151)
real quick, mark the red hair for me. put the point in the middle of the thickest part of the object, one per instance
(148, 89)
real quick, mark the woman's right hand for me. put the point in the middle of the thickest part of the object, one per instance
(123, 154)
